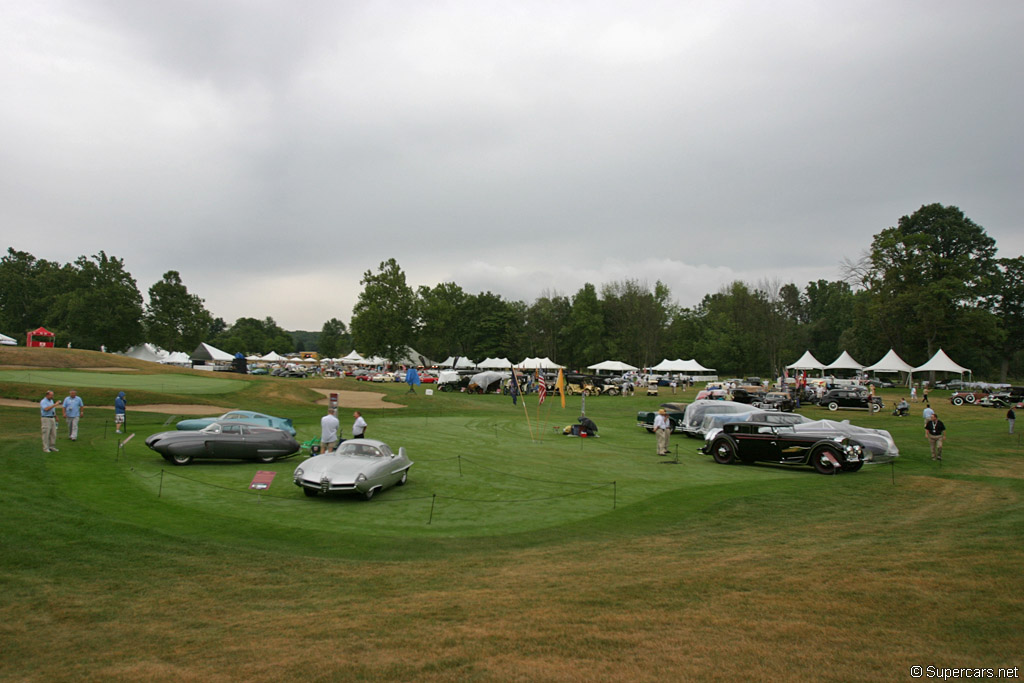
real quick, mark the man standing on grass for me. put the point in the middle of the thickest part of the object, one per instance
(359, 426)
(1011, 417)
(72, 411)
(927, 414)
(662, 430)
(48, 418)
(120, 406)
(329, 431)
(936, 433)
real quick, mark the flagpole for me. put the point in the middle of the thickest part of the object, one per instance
(518, 388)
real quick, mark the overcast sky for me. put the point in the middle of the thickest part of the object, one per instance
(273, 152)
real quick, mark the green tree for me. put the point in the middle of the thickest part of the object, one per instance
(103, 307)
(383, 319)
(334, 340)
(1008, 305)
(635, 318)
(29, 291)
(443, 323)
(252, 336)
(496, 327)
(584, 329)
(545, 321)
(175, 320)
(924, 275)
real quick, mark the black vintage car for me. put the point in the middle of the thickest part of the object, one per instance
(750, 442)
(834, 399)
(224, 441)
(674, 412)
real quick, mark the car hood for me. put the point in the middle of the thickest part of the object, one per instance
(342, 467)
(878, 441)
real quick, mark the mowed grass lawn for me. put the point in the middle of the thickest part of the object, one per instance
(509, 557)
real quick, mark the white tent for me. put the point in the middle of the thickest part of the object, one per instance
(176, 358)
(206, 352)
(844, 362)
(694, 366)
(538, 364)
(147, 352)
(352, 358)
(488, 363)
(612, 366)
(272, 357)
(890, 362)
(677, 365)
(457, 362)
(7, 341)
(940, 362)
(807, 362)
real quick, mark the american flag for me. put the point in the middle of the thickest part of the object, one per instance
(542, 390)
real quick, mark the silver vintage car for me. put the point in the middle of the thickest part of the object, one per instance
(363, 466)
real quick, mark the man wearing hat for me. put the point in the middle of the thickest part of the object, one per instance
(662, 429)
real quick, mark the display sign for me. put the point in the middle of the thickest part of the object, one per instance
(262, 480)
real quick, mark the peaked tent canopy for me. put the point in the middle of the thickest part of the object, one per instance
(272, 357)
(612, 366)
(538, 364)
(7, 341)
(457, 362)
(147, 352)
(890, 362)
(844, 362)
(352, 357)
(940, 362)
(206, 352)
(680, 365)
(807, 362)
(487, 363)
(176, 358)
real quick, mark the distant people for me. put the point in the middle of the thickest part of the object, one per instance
(72, 408)
(927, 413)
(662, 430)
(936, 433)
(329, 428)
(924, 393)
(48, 420)
(902, 408)
(673, 384)
(913, 394)
(359, 426)
(120, 408)
(1010, 417)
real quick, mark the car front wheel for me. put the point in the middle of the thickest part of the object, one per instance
(821, 461)
(833, 406)
(852, 466)
(723, 451)
(958, 400)
(266, 458)
(180, 459)
(875, 407)
(405, 478)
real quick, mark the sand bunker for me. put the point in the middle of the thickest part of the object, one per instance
(363, 400)
(165, 408)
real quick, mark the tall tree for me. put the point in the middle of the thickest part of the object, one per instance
(176, 320)
(1009, 310)
(545, 319)
(104, 306)
(442, 321)
(635, 317)
(383, 318)
(924, 274)
(584, 330)
(334, 339)
(29, 290)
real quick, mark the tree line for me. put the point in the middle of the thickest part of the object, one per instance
(932, 281)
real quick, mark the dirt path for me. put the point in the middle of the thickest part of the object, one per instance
(165, 408)
(366, 400)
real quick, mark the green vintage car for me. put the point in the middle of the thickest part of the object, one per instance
(645, 418)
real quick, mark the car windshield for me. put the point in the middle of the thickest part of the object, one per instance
(214, 428)
(361, 449)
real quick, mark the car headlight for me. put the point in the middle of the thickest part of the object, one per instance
(361, 477)
(299, 472)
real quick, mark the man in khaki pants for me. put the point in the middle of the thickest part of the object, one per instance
(662, 429)
(936, 433)
(48, 417)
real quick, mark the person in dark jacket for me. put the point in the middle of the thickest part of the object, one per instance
(936, 433)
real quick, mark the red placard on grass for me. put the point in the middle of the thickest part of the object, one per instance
(262, 480)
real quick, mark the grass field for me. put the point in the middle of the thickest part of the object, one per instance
(159, 383)
(506, 557)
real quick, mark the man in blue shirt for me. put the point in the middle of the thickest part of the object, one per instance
(120, 404)
(48, 418)
(72, 411)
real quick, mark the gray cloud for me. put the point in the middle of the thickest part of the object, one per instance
(272, 153)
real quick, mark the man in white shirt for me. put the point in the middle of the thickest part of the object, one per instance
(359, 426)
(662, 429)
(329, 429)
